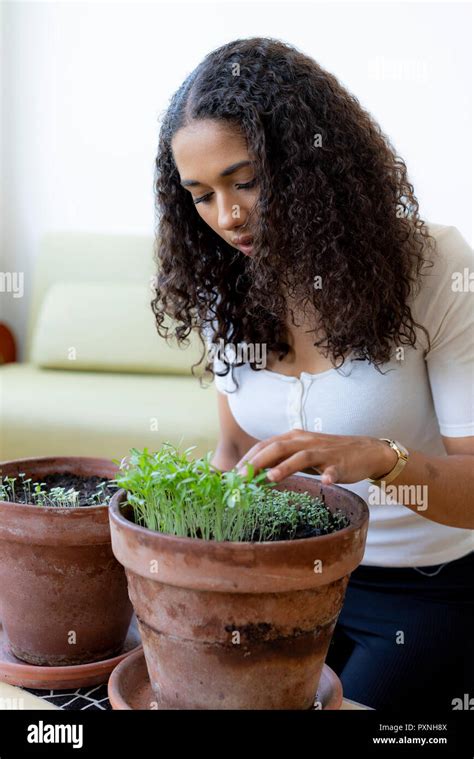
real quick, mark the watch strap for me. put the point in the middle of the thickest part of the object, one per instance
(402, 454)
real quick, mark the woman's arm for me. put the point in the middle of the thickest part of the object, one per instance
(233, 441)
(448, 482)
(436, 487)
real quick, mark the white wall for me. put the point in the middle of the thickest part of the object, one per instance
(84, 85)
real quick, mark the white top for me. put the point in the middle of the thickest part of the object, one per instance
(424, 396)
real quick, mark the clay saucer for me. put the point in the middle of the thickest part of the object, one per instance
(17, 672)
(129, 686)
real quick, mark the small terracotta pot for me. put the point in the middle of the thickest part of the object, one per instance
(63, 595)
(228, 625)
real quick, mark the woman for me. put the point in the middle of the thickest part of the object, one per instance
(288, 227)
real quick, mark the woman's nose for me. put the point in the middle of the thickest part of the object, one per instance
(230, 216)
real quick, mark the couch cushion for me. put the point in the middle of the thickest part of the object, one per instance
(76, 256)
(49, 412)
(108, 327)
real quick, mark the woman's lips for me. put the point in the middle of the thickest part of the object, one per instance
(245, 244)
(246, 248)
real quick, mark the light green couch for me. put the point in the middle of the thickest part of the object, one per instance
(98, 379)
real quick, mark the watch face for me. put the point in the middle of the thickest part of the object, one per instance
(402, 448)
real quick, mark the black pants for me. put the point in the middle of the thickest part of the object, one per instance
(405, 637)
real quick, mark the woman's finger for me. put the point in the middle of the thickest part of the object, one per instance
(273, 453)
(262, 444)
(330, 475)
(295, 463)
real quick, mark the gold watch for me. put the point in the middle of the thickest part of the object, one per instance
(402, 454)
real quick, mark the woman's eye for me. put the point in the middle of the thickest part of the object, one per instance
(241, 186)
(247, 185)
(204, 199)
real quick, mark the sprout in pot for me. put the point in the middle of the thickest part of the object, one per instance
(173, 495)
(63, 594)
(236, 582)
(61, 490)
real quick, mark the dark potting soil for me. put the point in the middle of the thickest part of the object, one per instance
(85, 486)
(302, 531)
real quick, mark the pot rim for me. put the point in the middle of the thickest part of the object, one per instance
(53, 509)
(116, 515)
(53, 461)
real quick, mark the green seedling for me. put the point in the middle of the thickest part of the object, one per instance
(173, 494)
(35, 495)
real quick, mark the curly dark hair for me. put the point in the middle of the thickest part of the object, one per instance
(344, 210)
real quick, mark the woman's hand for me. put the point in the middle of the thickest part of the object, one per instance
(338, 458)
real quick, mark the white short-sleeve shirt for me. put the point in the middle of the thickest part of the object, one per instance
(421, 396)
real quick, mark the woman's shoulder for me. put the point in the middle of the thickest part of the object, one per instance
(451, 251)
(442, 296)
(446, 262)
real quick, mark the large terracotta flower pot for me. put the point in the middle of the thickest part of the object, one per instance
(228, 625)
(63, 595)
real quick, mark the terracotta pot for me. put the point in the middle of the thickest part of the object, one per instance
(228, 625)
(59, 580)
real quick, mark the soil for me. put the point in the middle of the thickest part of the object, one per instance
(303, 531)
(286, 532)
(86, 486)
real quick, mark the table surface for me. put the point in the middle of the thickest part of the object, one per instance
(94, 697)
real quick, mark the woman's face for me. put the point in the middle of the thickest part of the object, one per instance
(215, 167)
